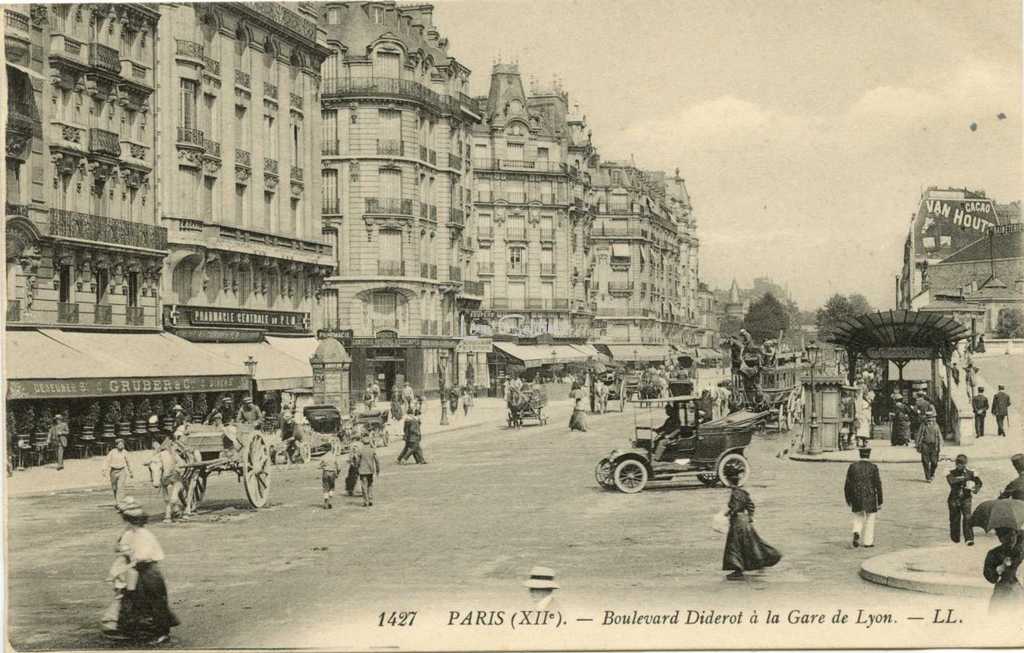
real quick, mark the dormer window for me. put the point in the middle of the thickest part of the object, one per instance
(378, 15)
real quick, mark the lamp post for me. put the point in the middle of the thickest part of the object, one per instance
(814, 446)
(443, 369)
(554, 361)
(636, 358)
(251, 366)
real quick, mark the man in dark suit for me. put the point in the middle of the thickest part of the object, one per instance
(963, 485)
(929, 443)
(864, 496)
(1001, 408)
(1015, 490)
(413, 436)
(980, 406)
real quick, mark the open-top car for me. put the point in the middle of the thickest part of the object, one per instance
(681, 448)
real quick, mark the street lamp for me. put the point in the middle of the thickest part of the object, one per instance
(814, 446)
(636, 358)
(251, 366)
(554, 361)
(443, 369)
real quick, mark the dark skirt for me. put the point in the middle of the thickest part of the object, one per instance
(744, 549)
(145, 611)
(1007, 599)
(577, 422)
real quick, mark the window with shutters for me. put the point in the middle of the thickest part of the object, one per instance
(514, 151)
(517, 260)
(390, 247)
(187, 104)
(516, 228)
(329, 189)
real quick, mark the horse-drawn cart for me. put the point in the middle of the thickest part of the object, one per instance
(529, 402)
(214, 449)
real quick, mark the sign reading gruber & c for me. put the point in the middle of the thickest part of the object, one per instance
(123, 386)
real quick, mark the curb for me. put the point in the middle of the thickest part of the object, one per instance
(881, 570)
(804, 458)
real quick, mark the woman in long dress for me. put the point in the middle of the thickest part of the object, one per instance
(145, 612)
(1001, 564)
(578, 422)
(744, 549)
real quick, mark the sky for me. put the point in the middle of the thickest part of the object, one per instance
(805, 131)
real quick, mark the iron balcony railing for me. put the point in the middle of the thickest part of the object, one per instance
(389, 205)
(391, 268)
(515, 197)
(457, 217)
(473, 288)
(454, 162)
(514, 165)
(270, 166)
(454, 273)
(19, 21)
(620, 286)
(212, 148)
(242, 79)
(67, 313)
(330, 148)
(243, 158)
(189, 49)
(136, 316)
(85, 226)
(342, 88)
(391, 147)
(212, 66)
(190, 136)
(296, 100)
(547, 269)
(104, 58)
(331, 206)
(270, 90)
(104, 314)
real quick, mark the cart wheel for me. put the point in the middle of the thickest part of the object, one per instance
(603, 474)
(630, 476)
(255, 475)
(731, 461)
(709, 479)
(194, 492)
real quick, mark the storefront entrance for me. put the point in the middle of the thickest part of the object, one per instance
(386, 366)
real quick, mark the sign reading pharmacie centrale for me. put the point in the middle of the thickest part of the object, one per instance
(246, 318)
(121, 386)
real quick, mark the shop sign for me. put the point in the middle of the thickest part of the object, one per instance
(124, 386)
(475, 346)
(487, 324)
(342, 335)
(198, 334)
(247, 318)
(944, 226)
(900, 353)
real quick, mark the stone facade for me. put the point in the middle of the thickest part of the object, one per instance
(84, 245)
(395, 139)
(531, 168)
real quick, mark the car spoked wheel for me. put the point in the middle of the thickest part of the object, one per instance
(630, 476)
(603, 473)
(734, 464)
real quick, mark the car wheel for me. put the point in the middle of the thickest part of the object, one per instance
(630, 476)
(603, 474)
(734, 461)
(709, 479)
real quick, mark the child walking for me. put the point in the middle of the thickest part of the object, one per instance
(330, 468)
(369, 466)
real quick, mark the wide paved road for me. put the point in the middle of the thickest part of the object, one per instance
(462, 533)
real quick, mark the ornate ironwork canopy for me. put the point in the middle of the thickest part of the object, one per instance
(899, 335)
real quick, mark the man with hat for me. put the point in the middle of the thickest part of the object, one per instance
(980, 405)
(863, 492)
(929, 443)
(249, 413)
(58, 438)
(542, 588)
(963, 485)
(1015, 490)
(1001, 408)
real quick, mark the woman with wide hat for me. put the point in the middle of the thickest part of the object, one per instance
(145, 612)
(744, 549)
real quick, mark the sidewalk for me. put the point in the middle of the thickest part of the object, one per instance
(989, 447)
(88, 473)
(951, 569)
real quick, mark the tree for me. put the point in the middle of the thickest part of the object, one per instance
(837, 309)
(729, 326)
(766, 318)
(1010, 323)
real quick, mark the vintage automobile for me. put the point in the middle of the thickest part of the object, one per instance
(700, 450)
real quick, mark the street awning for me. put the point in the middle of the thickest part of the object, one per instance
(706, 353)
(50, 363)
(639, 352)
(537, 355)
(620, 250)
(301, 349)
(275, 369)
(592, 353)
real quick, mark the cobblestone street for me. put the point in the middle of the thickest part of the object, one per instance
(461, 534)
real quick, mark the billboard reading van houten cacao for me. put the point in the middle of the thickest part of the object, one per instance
(946, 225)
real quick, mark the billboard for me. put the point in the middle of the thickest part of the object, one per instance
(945, 225)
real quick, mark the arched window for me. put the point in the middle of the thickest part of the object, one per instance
(181, 281)
(242, 50)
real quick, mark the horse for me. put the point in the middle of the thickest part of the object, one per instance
(516, 400)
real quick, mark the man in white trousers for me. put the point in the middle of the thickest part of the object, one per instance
(864, 496)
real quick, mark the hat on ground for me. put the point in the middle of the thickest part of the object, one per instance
(129, 507)
(542, 578)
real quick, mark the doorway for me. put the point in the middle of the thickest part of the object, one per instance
(387, 368)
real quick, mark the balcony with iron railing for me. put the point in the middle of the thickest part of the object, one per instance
(475, 288)
(391, 268)
(547, 269)
(243, 79)
(389, 206)
(104, 58)
(485, 267)
(390, 147)
(454, 162)
(515, 197)
(385, 87)
(620, 286)
(296, 173)
(295, 101)
(243, 158)
(270, 90)
(189, 136)
(454, 273)
(189, 49)
(212, 66)
(13, 310)
(516, 269)
(67, 313)
(270, 166)
(17, 20)
(520, 165)
(212, 148)
(135, 315)
(104, 314)
(457, 217)
(330, 147)
(96, 228)
(330, 206)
